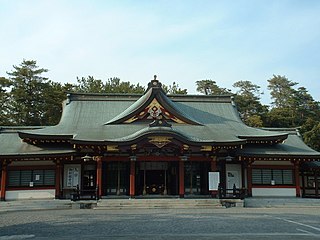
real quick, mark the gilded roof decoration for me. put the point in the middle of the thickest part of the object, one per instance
(160, 141)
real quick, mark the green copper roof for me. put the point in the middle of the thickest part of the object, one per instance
(215, 120)
(293, 146)
(12, 145)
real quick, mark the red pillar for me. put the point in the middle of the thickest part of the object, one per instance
(99, 177)
(132, 178)
(3, 182)
(297, 179)
(58, 180)
(181, 179)
(249, 179)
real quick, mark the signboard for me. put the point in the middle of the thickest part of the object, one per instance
(214, 180)
(72, 175)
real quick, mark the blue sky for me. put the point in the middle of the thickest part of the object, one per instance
(180, 41)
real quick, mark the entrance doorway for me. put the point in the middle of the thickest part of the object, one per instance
(156, 178)
(196, 178)
(115, 179)
(156, 182)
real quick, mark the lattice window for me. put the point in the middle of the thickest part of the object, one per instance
(272, 176)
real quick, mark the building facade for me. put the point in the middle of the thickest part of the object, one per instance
(111, 145)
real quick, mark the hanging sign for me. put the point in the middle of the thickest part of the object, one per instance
(72, 176)
(214, 180)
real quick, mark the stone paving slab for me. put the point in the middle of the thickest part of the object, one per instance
(175, 224)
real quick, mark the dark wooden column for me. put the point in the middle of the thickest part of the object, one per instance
(249, 178)
(3, 181)
(132, 178)
(181, 179)
(58, 180)
(303, 184)
(297, 179)
(243, 175)
(214, 164)
(104, 180)
(99, 177)
(316, 176)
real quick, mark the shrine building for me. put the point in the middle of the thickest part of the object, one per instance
(133, 145)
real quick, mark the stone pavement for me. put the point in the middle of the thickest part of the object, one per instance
(163, 224)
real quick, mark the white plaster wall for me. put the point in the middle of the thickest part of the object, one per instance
(235, 168)
(273, 192)
(30, 194)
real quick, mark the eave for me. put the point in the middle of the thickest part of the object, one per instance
(265, 157)
(39, 139)
(158, 131)
(274, 139)
(67, 155)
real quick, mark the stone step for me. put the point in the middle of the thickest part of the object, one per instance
(158, 203)
(31, 205)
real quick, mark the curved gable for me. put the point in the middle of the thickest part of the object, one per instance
(154, 104)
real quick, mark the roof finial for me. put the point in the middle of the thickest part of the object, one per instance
(154, 83)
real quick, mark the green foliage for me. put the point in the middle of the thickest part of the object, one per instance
(279, 117)
(308, 125)
(174, 89)
(254, 121)
(305, 106)
(291, 107)
(115, 85)
(90, 85)
(281, 91)
(312, 137)
(112, 85)
(4, 99)
(32, 99)
(210, 87)
(247, 100)
(28, 85)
